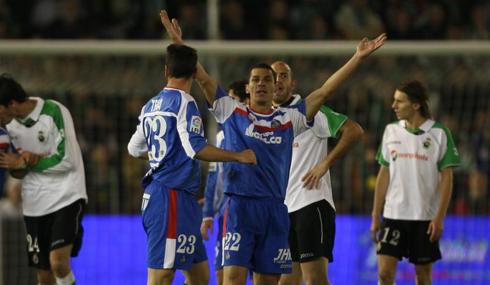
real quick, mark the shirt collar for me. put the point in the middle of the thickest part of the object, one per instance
(292, 101)
(33, 116)
(425, 127)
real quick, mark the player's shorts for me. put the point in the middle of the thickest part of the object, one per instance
(400, 238)
(218, 249)
(53, 231)
(312, 232)
(255, 235)
(172, 221)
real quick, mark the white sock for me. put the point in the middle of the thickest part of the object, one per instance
(67, 280)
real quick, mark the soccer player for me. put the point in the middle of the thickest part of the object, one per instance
(53, 187)
(256, 222)
(309, 193)
(171, 135)
(214, 192)
(417, 156)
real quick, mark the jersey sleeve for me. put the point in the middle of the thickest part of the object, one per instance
(190, 128)
(450, 155)
(137, 146)
(223, 105)
(382, 156)
(297, 114)
(328, 123)
(61, 160)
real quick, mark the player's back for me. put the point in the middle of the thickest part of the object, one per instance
(173, 131)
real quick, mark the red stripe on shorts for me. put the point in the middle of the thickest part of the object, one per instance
(172, 214)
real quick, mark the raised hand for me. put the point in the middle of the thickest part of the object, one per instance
(172, 27)
(366, 46)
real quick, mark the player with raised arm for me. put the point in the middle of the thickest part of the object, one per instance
(415, 181)
(309, 194)
(214, 192)
(256, 221)
(170, 135)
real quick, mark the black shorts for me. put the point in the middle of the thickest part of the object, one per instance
(400, 238)
(52, 231)
(312, 232)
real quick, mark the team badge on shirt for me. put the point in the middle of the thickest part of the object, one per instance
(275, 123)
(196, 124)
(394, 155)
(427, 142)
(40, 136)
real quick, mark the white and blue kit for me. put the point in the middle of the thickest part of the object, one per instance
(256, 222)
(214, 199)
(170, 131)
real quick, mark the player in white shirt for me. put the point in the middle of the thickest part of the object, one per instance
(415, 181)
(53, 188)
(309, 193)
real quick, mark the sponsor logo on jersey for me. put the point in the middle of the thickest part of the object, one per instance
(283, 256)
(196, 124)
(267, 137)
(275, 123)
(393, 142)
(394, 155)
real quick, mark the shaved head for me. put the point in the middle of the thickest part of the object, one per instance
(284, 82)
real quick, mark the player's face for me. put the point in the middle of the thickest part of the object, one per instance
(404, 109)
(284, 82)
(261, 86)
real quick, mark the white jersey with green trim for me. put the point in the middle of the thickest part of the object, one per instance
(415, 159)
(309, 148)
(58, 179)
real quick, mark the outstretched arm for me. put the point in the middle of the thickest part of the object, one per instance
(351, 132)
(319, 96)
(207, 84)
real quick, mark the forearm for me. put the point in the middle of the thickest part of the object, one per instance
(212, 153)
(320, 96)
(207, 84)
(445, 189)
(351, 133)
(382, 183)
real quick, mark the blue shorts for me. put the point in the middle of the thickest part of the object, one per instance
(256, 235)
(172, 221)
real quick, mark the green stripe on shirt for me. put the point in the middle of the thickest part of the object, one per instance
(52, 110)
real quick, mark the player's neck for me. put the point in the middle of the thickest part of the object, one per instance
(416, 121)
(183, 84)
(261, 108)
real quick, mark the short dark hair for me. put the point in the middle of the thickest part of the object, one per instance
(181, 61)
(239, 88)
(10, 90)
(417, 93)
(263, 65)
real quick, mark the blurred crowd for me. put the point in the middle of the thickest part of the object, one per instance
(246, 20)
(105, 100)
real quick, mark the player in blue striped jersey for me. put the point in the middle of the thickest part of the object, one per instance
(256, 220)
(214, 192)
(170, 136)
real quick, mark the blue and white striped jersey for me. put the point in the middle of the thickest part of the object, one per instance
(270, 136)
(171, 132)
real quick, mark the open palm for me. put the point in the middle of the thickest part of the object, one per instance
(366, 47)
(172, 27)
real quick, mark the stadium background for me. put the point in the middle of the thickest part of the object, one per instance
(104, 82)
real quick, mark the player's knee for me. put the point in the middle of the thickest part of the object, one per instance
(60, 268)
(163, 277)
(386, 276)
(315, 278)
(423, 276)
